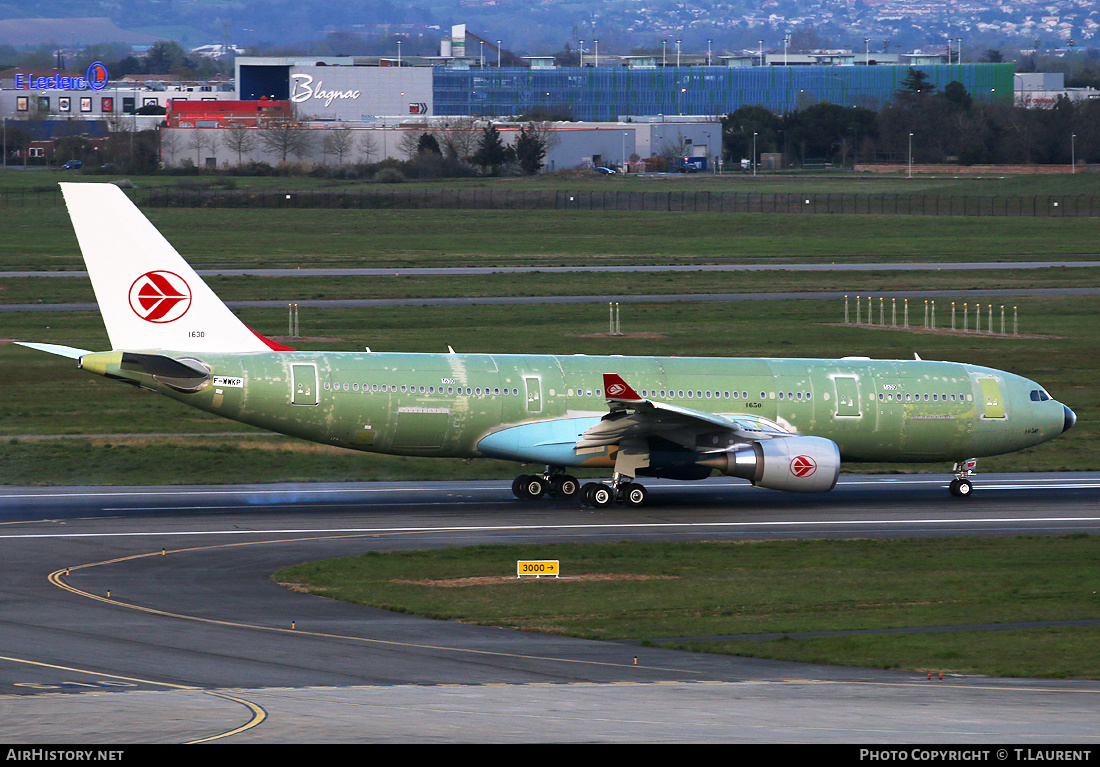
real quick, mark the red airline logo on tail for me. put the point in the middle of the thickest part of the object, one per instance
(160, 296)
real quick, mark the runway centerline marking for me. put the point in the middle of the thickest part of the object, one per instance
(352, 531)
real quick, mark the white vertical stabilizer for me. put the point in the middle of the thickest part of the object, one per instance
(150, 298)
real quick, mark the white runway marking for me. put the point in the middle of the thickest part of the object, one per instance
(561, 527)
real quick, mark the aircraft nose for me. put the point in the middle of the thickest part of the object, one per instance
(1071, 418)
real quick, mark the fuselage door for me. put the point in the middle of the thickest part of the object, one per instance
(994, 404)
(847, 396)
(534, 394)
(303, 385)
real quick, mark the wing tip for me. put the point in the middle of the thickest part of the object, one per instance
(619, 390)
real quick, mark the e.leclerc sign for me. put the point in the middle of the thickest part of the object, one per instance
(95, 80)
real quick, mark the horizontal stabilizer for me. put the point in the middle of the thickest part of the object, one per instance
(63, 351)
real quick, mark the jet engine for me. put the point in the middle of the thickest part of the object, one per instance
(796, 464)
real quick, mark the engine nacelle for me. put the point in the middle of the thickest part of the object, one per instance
(795, 464)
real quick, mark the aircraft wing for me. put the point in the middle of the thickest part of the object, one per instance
(634, 417)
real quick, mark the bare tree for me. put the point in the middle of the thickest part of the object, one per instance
(409, 145)
(240, 139)
(285, 138)
(213, 143)
(458, 137)
(368, 145)
(169, 145)
(338, 142)
(198, 140)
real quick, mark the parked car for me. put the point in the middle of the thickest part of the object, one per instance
(72, 165)
(606, 171)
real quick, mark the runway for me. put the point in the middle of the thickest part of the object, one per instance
(147, 615)
(622, 298)
(931, 265)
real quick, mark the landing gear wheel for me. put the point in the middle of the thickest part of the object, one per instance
(585, 494)
(517, 485)
(961, 487)
(635, 494)
(528, 487)
(601, 496)
(565, 486)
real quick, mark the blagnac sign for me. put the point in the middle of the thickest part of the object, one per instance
(304, 90)
(94, 80)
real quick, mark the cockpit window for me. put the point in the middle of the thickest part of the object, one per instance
(1038, 395)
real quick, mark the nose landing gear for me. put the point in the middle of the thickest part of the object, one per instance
(961, 486)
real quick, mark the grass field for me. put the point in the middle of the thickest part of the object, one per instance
(15, 179)
(541, 283)
(665, 590)
(42, 238)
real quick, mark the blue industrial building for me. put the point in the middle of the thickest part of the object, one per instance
(606, 93)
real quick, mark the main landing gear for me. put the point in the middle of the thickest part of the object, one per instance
(528, 487)
(598, 495)
(961, 486)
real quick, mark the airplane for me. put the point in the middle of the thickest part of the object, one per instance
(783, 424)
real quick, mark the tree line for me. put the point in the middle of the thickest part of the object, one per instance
(930, 125)
(459, 148)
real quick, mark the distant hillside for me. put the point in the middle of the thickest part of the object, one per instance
(21, 32)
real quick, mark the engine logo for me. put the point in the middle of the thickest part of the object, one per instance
(160, 296)
(803, 466)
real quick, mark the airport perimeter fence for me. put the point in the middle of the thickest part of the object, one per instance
(1044, 205)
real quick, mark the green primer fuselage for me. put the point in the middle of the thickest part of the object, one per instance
(444, 404)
